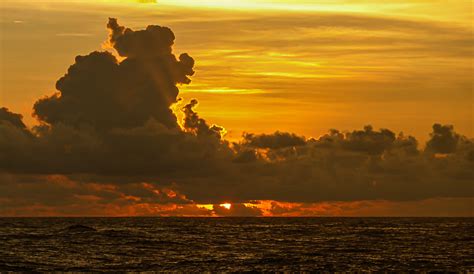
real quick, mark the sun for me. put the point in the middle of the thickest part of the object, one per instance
(226, 205)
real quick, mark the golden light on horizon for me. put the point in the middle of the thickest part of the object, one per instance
(205, 206)
(226, 206)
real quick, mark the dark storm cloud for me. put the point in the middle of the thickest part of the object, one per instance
(110, 127)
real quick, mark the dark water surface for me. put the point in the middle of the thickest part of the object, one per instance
(236, 244)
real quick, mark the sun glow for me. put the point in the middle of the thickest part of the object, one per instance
(226, 205)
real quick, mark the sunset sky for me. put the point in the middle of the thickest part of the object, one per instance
(298, 67)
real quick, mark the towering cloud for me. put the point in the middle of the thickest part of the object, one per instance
(101, 92)
(114, 117)
(110, 134)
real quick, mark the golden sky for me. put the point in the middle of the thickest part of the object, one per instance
(263, 66)
(298, 66)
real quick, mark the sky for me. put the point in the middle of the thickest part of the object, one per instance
(278, 108)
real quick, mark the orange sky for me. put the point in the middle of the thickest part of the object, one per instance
(298, 66)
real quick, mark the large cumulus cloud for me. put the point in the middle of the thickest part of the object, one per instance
(115, 117)
(111, 123)
(100, 91)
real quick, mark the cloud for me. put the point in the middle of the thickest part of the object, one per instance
(58, 195)
(367, 140)
(11, 118)
(273, 141)
(50, 195)
(439, 207)
(115, 117)
(443, 139)
(359, 165)
(109, 137)
(101, 92)
(237, 210)
(197, 125)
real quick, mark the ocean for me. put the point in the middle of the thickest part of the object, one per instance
(236, 244)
